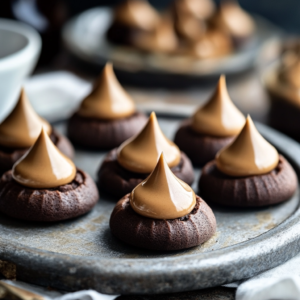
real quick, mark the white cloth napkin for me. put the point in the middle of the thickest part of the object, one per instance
(56, 95)
(282, 283)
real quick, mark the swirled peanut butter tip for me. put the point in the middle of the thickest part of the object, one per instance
(162, 195)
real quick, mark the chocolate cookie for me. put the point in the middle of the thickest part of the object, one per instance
(104, 134)
(8, 156)
(188, 231)
(48, 205)
(117, 181)
(260, 190)
(198, 147)
(284, 116)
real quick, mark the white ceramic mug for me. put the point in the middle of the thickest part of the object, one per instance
(20, 47)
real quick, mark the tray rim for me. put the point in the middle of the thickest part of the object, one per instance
(164, 275)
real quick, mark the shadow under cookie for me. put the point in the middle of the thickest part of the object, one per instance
(117, 181)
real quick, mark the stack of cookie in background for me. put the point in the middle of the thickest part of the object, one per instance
(191, 28)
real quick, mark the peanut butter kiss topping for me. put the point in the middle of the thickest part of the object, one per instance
(200, 9)
(285, 81)
(23, 126)
(108, 100)
(138, 14)
(232, 18)
(289, 73)
(141, 152)
(213, 43)
(44, 166)
(190, 27)
(219, 116)
(162, 40)
(250, 154)
(162, 195)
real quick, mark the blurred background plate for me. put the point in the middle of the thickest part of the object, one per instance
(84, 37)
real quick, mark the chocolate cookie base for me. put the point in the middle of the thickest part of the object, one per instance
(98, 134)
(198, 147)
(48, 205)
(260, 190)
(117, 181)
(154, 234)
(8, 156)
(284, 116)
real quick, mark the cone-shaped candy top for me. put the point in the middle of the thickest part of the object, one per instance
(219, 116)
(44, 166)
(213, 43)
(289, 71)
(285, 81)
(137, 14)
(249, 154)
(232, 18)
(141, 152)
(163, 39)
(23, 126)
(108, 100)
(189, 27)
(200, 9)
(162, 195)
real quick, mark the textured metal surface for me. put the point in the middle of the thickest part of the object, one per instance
(81, 253)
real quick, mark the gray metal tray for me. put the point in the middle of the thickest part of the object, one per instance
(81, 253)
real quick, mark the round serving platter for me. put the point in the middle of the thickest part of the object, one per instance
(85, 37)
(82, 253)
